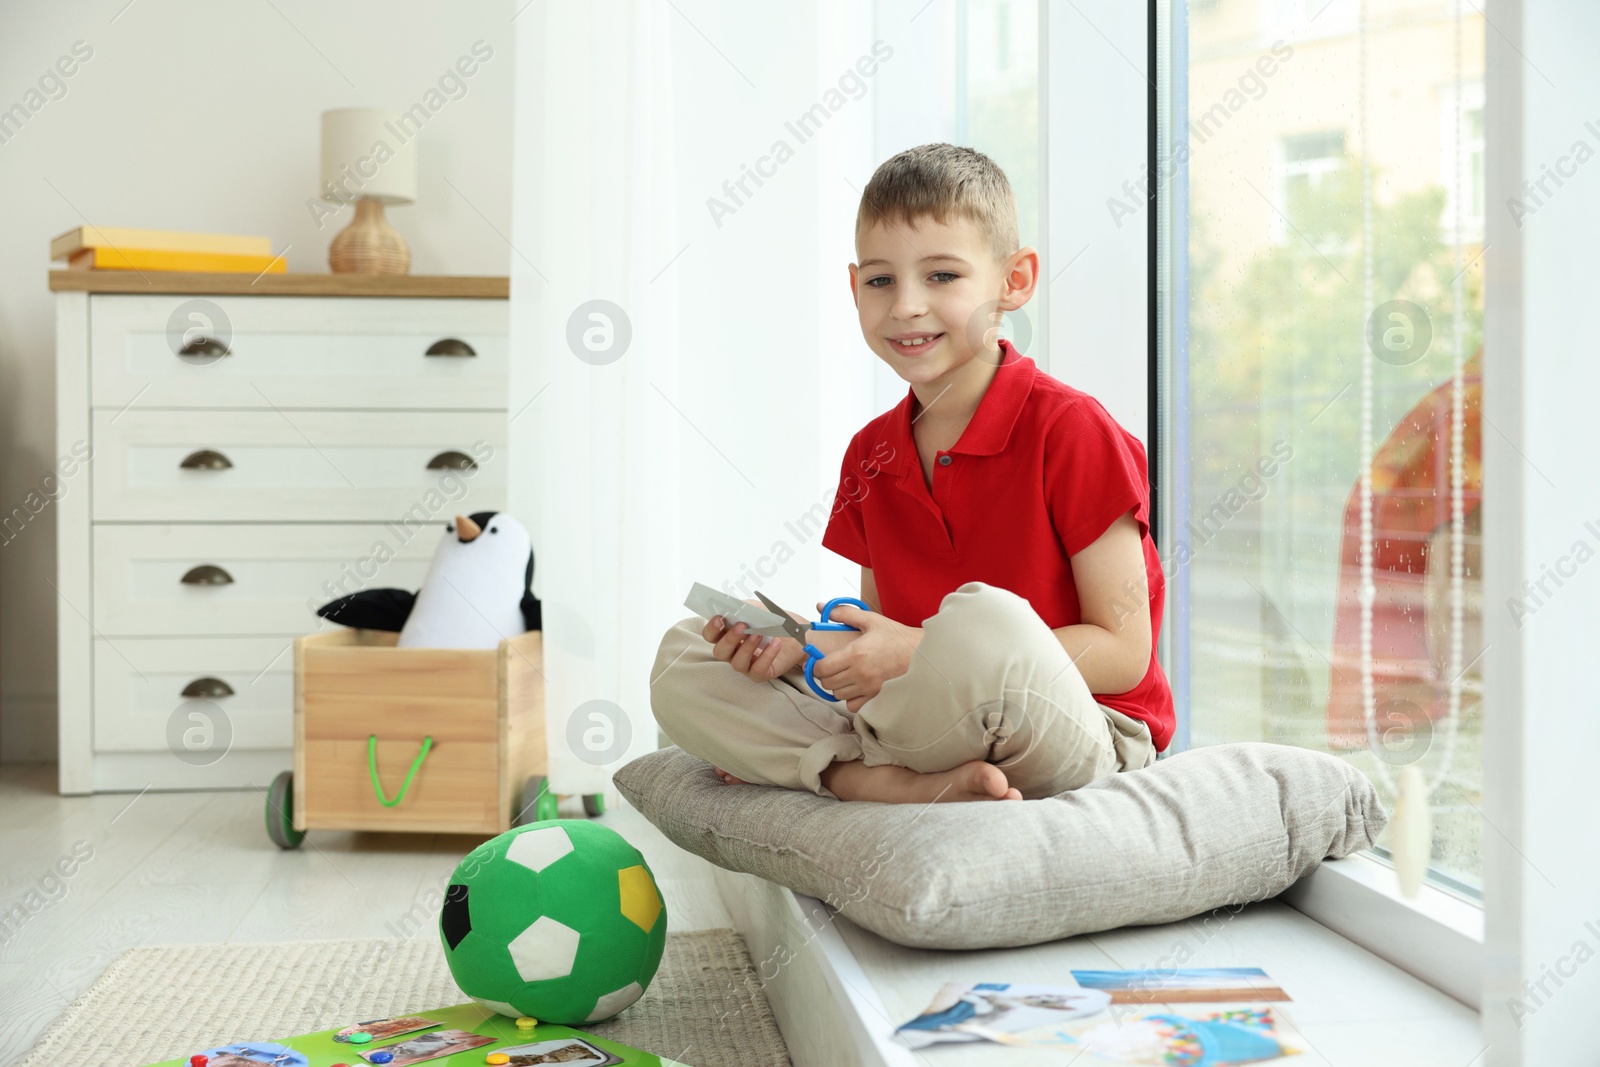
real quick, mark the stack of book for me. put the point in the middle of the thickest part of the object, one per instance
(117, 248)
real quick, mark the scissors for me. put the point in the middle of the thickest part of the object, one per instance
(797, 630)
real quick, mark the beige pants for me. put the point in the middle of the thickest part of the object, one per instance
(990, 681)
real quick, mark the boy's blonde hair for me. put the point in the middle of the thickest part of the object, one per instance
(941, 180)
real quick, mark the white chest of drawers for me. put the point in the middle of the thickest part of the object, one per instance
(239, 453)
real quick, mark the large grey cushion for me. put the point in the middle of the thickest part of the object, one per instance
(1208, 828)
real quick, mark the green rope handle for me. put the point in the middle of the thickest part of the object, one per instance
(372, 765)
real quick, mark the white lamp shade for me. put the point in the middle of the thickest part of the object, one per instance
(367, 152)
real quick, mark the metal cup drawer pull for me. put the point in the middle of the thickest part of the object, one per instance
(207, 574)
(450, 346)
(205, 460)
(452, 460)
(208, 687)
(208, 347)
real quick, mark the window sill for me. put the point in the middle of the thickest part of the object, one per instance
(1438, 937)
(838, 991)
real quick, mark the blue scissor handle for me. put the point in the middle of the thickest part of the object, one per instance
(813, 653)
(827, 622)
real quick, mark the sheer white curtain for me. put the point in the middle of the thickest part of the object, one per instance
(708, 450)
(593, 454)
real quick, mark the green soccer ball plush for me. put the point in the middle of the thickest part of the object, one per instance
(560, 920)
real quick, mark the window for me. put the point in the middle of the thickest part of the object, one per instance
(1326, 258)
(1305, 161)
(1305, 19)
(1462, 107)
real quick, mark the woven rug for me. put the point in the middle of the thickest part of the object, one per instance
(705, 1007)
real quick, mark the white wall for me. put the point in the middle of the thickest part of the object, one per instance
(203, 116)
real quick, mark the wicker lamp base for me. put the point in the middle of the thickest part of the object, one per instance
(369, 245)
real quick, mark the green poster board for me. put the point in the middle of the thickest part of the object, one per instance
(321, 1050)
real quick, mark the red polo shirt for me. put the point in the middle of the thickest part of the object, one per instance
(1040, 472)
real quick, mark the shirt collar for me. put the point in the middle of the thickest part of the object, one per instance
(990, 426)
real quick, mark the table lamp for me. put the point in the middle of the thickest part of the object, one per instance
(368, 160)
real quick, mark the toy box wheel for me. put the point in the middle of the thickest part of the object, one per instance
(538, 802)
(280, 813)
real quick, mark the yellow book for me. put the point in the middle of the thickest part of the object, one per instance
(161, 259)
(82, 237)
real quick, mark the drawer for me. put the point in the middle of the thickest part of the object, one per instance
(233, 579)
(297, 352)
(303, 466)
(243, 686)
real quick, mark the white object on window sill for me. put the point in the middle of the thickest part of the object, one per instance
(1411, 832)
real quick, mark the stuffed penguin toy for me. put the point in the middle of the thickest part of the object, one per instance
(478, 590)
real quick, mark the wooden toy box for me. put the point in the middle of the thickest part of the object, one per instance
(363, 710)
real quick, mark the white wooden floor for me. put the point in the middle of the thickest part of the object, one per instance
(181, 867)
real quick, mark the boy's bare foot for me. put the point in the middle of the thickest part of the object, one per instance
(888, 784)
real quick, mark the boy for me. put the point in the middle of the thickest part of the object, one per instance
(1003, 541)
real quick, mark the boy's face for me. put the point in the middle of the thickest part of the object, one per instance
(940, 283)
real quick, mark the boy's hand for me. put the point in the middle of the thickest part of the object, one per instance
(761, 659)
(882, 650)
